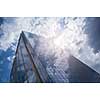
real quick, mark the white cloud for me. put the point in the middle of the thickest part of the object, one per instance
(9, 58)
(43, 26)
(70, 38)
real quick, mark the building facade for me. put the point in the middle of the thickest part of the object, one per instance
(81, 73)
(26, 66)
(29, 68)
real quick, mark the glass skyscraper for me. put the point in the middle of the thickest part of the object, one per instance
(81, 73)
(28, 67)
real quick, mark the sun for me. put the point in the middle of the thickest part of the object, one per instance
(59, 42)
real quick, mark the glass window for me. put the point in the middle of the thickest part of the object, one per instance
(26, 81)
(21, 76)
(30, 72)
(24, 51)
(11, 77)
(22, 67)
(31, 76)
(18, 68)
(27, 59)
(20, 60)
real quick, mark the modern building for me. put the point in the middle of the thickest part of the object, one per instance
(29, 68)
(81, 73)
(26, 66)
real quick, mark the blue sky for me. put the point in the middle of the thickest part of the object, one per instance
(79, 36)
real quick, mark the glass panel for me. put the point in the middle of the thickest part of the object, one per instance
(21, 76)
(25, 81)
(31, 76)
(20, 61)
(11, 77)
(22, 67)
(18, 68)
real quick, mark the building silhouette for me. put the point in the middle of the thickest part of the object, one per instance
(28, 68)
(81, 73)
